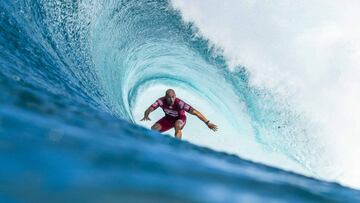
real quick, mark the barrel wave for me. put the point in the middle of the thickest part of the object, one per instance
(75, 78)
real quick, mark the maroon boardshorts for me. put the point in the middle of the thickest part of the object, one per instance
(168, 122)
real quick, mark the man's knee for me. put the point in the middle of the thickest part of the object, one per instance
(179, 124)
(156, 127)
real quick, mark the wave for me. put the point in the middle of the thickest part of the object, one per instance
(118, 56)
(306, 52)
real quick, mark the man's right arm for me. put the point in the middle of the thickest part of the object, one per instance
(152, 108)
(148, 111)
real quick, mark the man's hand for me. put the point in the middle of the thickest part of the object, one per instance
(212, 126)
(145, 119)
(146, 114)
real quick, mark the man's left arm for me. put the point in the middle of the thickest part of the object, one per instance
(203, 119)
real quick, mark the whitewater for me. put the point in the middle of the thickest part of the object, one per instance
(308, 53)
(280, 80)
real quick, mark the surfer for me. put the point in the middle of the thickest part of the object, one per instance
(174, 109)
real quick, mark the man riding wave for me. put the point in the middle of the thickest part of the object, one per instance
(174, 109)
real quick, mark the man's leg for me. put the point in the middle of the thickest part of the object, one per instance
(162, 125)
(179, 124)
(156, 127)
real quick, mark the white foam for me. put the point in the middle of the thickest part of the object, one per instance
(307, 51)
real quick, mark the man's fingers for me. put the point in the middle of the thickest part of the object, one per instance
(213, 127)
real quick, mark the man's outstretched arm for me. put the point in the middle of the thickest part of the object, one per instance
(203, 119)
(147, 113)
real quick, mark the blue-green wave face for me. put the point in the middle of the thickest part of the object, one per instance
(119, 56)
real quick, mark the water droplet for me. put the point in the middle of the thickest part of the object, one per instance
(55, 135)
(16, 78)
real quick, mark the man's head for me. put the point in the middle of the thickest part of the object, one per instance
(170, 97)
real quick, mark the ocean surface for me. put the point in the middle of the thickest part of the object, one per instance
(75, 78)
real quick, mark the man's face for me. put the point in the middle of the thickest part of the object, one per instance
(170, 98)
